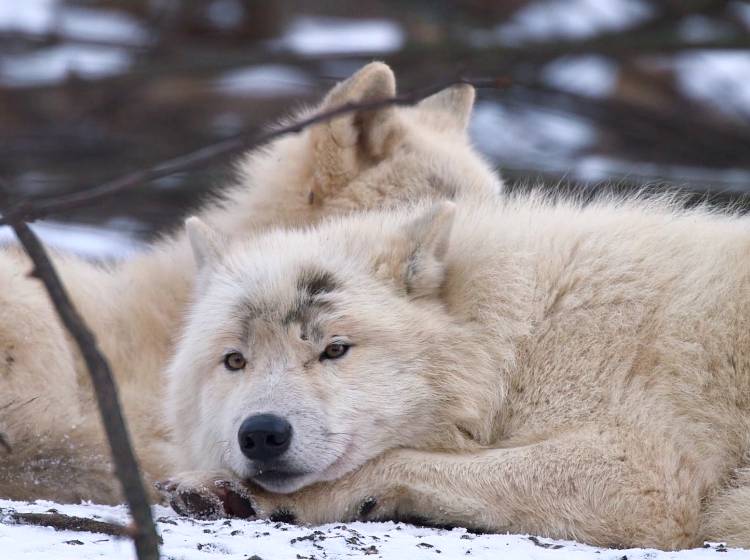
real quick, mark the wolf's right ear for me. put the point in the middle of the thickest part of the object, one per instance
(415, 258)
(206, 242)
(342, 146)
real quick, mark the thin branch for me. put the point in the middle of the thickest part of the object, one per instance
(61, 522)
(29, 210)
(126, 465)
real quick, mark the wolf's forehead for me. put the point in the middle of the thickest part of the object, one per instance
(299, 298)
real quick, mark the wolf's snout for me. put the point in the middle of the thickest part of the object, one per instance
(264, 436)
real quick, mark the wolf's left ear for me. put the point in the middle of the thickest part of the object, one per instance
(450, 109)
(206, 242)
(416, 257)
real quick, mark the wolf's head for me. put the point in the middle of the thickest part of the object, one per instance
(309, 352)
(361, 160)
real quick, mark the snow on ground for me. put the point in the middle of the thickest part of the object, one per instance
(48, 16)
(234, 539)
(50, 65)
(718, 78)
(33, 16)
(308, 35)
(592, 75)
(103, 25)
(264, 80)
(85, 241)
(542, 139)
(571, 19)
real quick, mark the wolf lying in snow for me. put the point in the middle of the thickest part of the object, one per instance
(508, 365)
(359, 161)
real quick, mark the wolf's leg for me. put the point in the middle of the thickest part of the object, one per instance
(579, 486)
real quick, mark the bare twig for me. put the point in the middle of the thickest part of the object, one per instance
(29, 210)
(61, 522)
(126, 466)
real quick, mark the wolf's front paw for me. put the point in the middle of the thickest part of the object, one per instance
(212, 499)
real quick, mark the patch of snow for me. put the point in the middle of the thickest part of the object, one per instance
(52, 64)
(309, 35)
(529, 136)
(45, 16)
(105, 25)
(30, 16)
(265, 80)
(718, 78)
(571, 19)
(85, 241)
(238, 540)
(591, 75)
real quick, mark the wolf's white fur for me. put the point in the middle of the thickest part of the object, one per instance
(358, 161)
(552, 368)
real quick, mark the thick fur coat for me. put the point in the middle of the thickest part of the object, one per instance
(575, 371)
(359, 161)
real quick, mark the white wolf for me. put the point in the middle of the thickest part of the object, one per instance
(515, 365)
(359, 161)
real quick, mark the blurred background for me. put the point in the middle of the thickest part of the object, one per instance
(624, 92)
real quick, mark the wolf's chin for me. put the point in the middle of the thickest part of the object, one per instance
(283, 483)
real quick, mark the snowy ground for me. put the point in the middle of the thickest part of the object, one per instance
(186, 539)
(85, 241)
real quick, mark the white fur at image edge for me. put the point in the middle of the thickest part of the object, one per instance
(187, 539)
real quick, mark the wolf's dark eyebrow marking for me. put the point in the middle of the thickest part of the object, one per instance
(316, 282)
(310, 284)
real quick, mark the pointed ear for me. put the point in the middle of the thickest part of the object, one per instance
(416, 259)
(344, 145)
(450, 109)
(207, 243)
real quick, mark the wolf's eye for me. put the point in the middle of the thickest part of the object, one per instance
(334, 350)
(234, 361)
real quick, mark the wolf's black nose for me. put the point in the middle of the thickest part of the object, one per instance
(264, 436)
